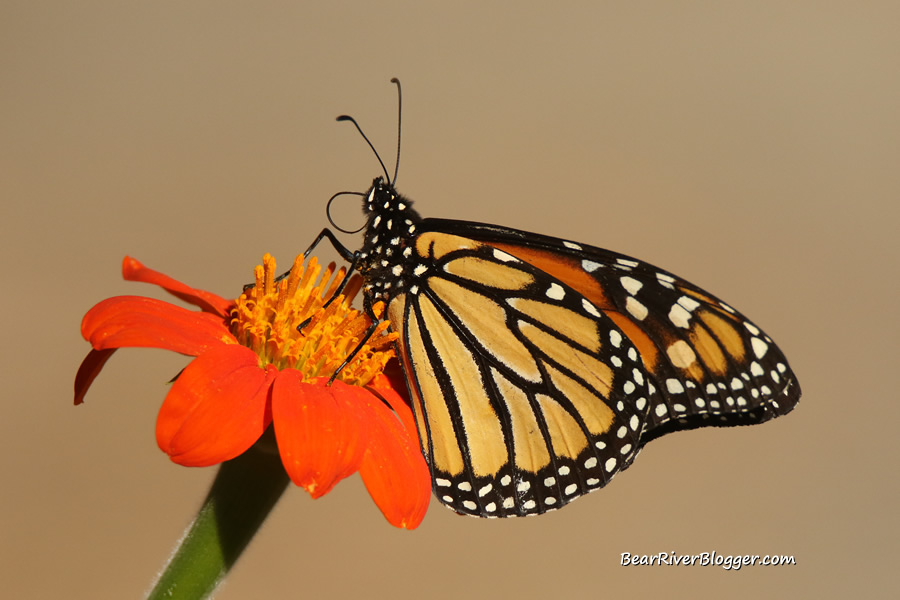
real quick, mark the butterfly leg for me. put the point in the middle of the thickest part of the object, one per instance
(326, 233)
(345, 253)
(362, 342)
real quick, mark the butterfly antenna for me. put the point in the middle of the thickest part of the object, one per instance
(399, 130)
(359, 129)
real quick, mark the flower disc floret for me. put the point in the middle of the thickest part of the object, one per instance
(292, 322)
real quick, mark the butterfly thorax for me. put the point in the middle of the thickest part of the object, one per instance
(388, 248)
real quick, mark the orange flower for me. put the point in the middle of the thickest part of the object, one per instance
(253, 368)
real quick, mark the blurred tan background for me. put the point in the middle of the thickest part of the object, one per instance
(750, 147)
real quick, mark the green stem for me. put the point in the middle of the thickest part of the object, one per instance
(244, 491)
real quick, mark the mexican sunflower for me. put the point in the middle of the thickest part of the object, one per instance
(266, 359)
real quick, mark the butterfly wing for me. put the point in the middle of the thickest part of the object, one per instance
(710, 364)
(525, 394)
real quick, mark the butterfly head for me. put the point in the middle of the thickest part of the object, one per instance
(383, 199)
(388, 212)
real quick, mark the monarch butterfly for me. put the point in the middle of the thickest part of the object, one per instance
(539, 367)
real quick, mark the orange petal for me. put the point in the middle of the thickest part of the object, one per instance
(88, 371)
(217, 408)
(134, 270)
(321, 436)
(392, 376)
(135, 321)
(393, 467)
(392, 389)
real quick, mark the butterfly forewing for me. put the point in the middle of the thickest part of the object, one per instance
(711, 365)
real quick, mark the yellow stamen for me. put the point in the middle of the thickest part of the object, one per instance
(266, 319)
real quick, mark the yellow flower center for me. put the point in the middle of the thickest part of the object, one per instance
(288, 324)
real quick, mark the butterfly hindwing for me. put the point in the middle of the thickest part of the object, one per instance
(526, 396)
